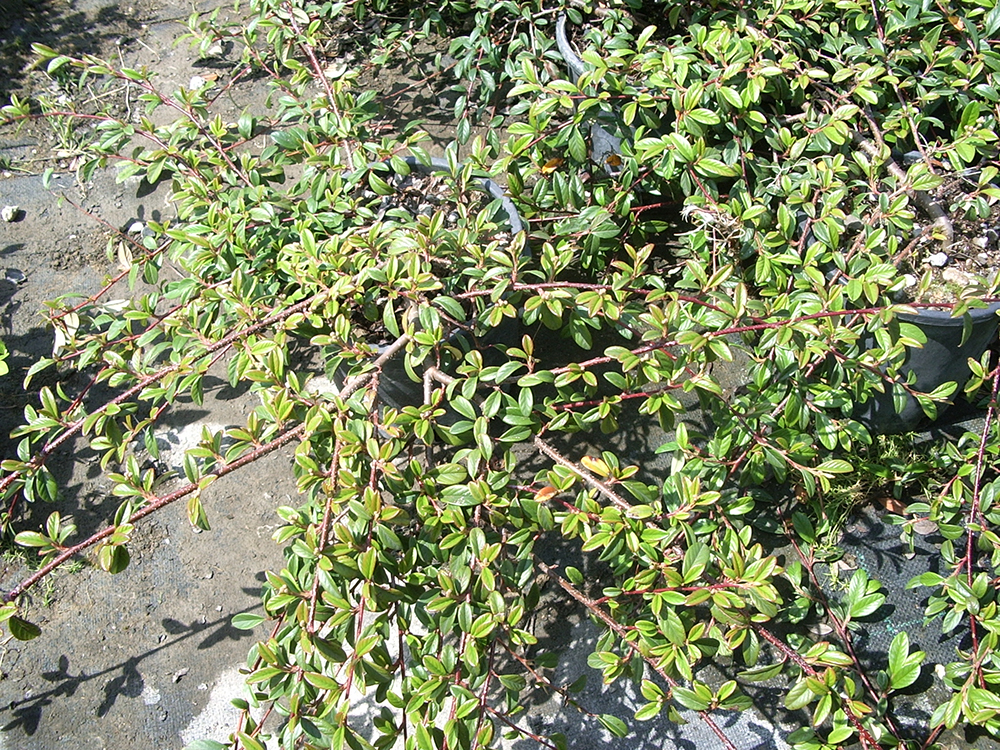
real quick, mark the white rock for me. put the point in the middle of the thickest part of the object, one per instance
(909, 280)
(938, 260)
(9, 213)
(197, 82)
(335, 70)
(137, 227)
(954, 276)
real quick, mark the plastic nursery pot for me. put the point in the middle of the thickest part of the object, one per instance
(605, 147)
(396, 387)
(944, 358)
(437, 164)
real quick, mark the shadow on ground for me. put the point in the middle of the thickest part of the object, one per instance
(71, 26)
(125, 678)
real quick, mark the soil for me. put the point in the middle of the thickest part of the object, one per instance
(971, 261)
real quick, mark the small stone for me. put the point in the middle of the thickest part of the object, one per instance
(938, 260)
(909, 280)
(180, 673)
(10, 213)
(335, 71)
(983, 258)
(853, 224)
(14, 276)
(136, 227)
(954, 276)
(981, 242)
(203, 686)
(216, 50)
(197, 82)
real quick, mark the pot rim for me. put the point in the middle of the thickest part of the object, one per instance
(943, 317)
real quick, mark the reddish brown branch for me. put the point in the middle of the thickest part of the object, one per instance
(620, 631)
(154, 506)
(43, 454)
(866, 738)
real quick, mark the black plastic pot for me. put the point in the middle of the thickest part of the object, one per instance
(944, 358)
(396, 388)
(604, 144)
(489, 186)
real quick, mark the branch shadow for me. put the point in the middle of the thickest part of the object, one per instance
(126, 677)
(61, 26)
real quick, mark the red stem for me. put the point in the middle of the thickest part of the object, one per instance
(154, 506)
(40, 458)
(620, 631)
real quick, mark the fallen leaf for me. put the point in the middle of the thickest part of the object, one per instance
(846, 563)
(820, 630)
(551, 165)
(892, 505)
(924, 526)
(546, 493)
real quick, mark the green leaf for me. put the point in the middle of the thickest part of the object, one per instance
(22, 629)
(424, 740)
(482, 626)
(248, 742)
(866, 605)
(732, 96)
(321, 681)
(714, 168)
(800, 696)
(763, 673)
(651, 691)
(835, 466)
(32, 539)
(196, 512)
(616, 726)
(246, 621)
(113, 558)
(804, 527)
(904, 667)
(577, 146)
(690, 699)
(840, 734)
(57, 63)
(648, 711)
(206, 745)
